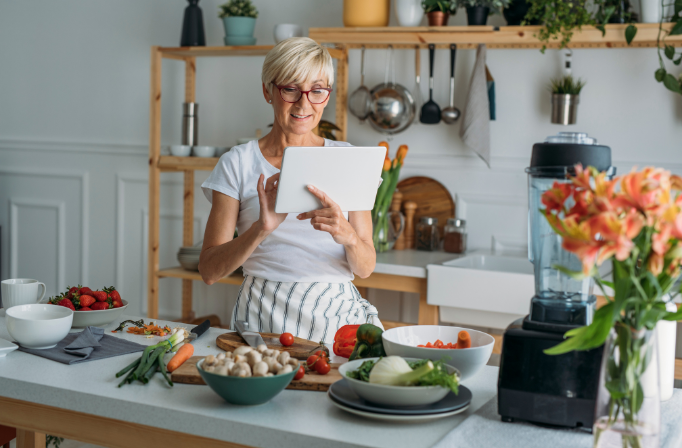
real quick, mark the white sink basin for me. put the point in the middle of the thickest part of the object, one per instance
(482, 289)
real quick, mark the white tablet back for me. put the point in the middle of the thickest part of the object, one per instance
(349, 175)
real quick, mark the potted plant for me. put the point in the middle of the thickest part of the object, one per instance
(565, 99)
(366, 12)
(239, 19)
(438, 11)
(479, 10)
(515, 13)
(633, 222)
(560, 19)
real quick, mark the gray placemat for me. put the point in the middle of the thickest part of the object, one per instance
(89, 345)
(485, 429)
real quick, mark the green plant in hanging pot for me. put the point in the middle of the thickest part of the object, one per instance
(438, 12)
(239, 19)
(479, 10)
(635, 222)
(565, 99)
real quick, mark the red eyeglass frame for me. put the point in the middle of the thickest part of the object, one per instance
(306, 92)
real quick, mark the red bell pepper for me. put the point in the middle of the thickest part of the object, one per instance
(344, 340)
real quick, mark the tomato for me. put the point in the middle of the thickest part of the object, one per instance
(286, 339)
(322, 354)
(300, 373)
(322, 367)
(312, 361)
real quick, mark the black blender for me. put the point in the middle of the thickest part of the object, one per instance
(558, 390)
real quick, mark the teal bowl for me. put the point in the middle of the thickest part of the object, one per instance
(246, 391)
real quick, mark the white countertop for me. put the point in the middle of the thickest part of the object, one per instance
(292, 419)
(410, 262)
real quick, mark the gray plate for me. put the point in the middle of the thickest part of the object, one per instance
(341, 392)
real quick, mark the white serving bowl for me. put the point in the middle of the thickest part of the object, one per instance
(181, 150)
(204, 151)
(393, 395)
(97, 318)
(39, 325)
(403, 341)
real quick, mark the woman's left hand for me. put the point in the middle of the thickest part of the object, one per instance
(330, 219)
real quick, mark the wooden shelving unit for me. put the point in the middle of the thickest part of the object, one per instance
(188, 165)
(469, 37)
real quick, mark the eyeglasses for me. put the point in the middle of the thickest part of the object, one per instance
(293, 94)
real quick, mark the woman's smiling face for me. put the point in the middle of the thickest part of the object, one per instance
(302, 116)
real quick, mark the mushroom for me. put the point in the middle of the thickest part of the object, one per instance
(244, 373)
(243, 350)
(269, 374)
(293, 361)
(221, 356)
(285, 369)
(275, 367)
(240, 358)
(261, 348)
(229, 355)
(283, 358)
(222, 370)
(260, 369)
(268, 352)
(253, 357)
(275, 354)
(210, 360)
(209, 368)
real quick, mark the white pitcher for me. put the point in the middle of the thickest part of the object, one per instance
(408, 12)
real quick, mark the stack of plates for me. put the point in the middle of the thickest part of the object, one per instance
(189, 257)
(343, 397)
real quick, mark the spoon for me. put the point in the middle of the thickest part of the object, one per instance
(451, 113)
(430, 110)
(359, 102)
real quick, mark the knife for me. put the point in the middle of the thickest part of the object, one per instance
(196, 332)
(252, 338)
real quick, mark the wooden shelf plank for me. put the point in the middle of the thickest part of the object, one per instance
(173, 163)
(178, 272)
(510, 37)
(245, 50)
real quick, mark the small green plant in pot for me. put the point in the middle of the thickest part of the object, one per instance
(565, 99)
(560, 18)
(239, 18)
(438, 11)
(479, 10)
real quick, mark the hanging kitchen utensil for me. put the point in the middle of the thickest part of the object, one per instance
(393, 107)
(451, 114)
(430, 110)
(360, 100)
(417, 91)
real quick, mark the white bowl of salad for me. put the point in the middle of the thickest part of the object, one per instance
(397, 381)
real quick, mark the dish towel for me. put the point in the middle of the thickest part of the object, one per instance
(89, 345)
(475, 129)
(484, 428)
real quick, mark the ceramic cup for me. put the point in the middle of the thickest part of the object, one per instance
(21, 291)
(286, 30)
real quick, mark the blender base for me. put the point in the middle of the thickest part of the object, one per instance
(561, 311)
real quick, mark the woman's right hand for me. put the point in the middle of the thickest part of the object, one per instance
(269, 220)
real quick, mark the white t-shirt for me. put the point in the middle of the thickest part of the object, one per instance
(295, 251)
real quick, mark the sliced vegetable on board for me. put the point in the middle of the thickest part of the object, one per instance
(369, 343)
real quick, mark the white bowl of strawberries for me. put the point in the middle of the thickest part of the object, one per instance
(91, 308)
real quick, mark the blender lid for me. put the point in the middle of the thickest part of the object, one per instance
(566, 149)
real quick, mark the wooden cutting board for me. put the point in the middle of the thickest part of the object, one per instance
(432, 199)
(188, 374)
(299, 350)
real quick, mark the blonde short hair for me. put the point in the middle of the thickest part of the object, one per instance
(297, 60)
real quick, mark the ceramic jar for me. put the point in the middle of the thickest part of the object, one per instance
(366, 12)
(408, 12)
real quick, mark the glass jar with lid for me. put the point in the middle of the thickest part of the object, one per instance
(428, 237)
(455, 236)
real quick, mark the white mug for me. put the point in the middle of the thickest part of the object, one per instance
(21, 291)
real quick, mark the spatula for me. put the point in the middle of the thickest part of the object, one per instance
(430, 110)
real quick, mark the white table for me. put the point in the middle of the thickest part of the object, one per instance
(82, 402)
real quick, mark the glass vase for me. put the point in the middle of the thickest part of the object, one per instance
(387, 227)
(628, 413)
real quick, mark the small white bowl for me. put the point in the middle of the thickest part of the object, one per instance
(284, 31)
(403, 341)
(181, 150)
(393, 395)
(97, 318)
(204, 151)
(39, 325)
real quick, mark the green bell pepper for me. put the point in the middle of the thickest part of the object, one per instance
(369, 343)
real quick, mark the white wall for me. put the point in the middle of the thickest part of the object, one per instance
(74, 85)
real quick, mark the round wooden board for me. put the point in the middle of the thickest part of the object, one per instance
(432, 199)
(299, 350)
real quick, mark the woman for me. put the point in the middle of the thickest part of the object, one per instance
(297, 269)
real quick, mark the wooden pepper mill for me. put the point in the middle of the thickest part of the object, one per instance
(395, 207)
(410, 208)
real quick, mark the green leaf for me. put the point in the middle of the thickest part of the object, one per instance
(630, 33)
(660, 74)
(671, 83)
(602, 29)
(669, 52)
(638, 398)
(677, 29)
(674, 316)
(678, 6)
(588, 337)
(678, 60)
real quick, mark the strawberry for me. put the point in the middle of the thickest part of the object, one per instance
(72, 290)
(113, 293)
(101, 296)
(85, 290)
(67, 303)
(85, 308)
(99, 306)
(86, 301)
(118, 304)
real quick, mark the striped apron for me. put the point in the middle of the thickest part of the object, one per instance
(313, 311)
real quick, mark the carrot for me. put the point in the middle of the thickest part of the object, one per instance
(463, 339)
(183, 354)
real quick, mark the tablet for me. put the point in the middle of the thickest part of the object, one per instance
(349, 175)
